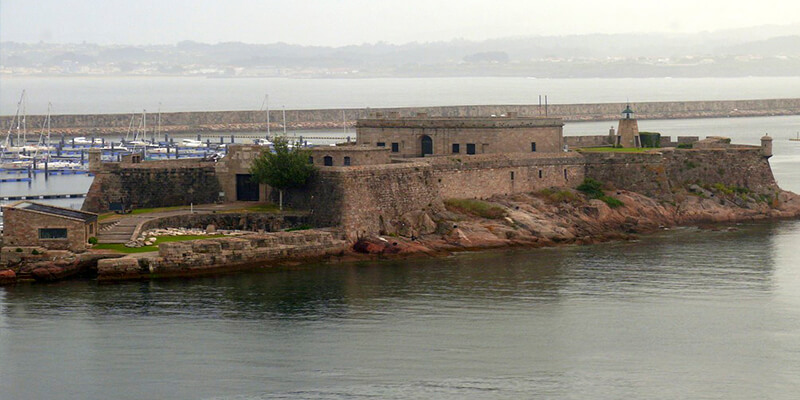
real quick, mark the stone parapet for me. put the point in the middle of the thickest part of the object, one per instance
(223, 254)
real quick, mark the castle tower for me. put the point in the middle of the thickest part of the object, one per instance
(766, 146)
(95, 160)
(628, 131)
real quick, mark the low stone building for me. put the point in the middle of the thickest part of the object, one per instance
(423, 135)
(349, 155)
(55, 228)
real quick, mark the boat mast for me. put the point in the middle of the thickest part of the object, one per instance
(158, 129)
(266, 103)
(284, 120)
(144, 125)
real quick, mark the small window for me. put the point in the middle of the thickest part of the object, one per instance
(456, 148)
(53, 233)
(533, 146)
(328, 161)
(347, 161)
(381, 144)
(565, 174)
(395, 147)
(310, 160)
(512, 175)
(540, 174)
(470, 148)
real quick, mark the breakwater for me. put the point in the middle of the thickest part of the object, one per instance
(250, 121)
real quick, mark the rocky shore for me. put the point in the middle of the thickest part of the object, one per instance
(551, 217)
(569, 217)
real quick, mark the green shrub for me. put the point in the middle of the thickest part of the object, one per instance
(591, 188)
(92, 240)
(594, 190)
(558, 196)
(685, 145)
(650, 139)
(475, 207)
(35, 252)
(612, 202)
(18, 250)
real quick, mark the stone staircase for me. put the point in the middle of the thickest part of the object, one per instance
(121, 231)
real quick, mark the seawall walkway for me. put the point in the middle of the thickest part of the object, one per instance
(255, 121)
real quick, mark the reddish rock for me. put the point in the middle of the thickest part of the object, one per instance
(7, 276)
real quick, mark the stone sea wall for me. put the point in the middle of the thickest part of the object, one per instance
(222, 254)
(659, 174)
(244, 121)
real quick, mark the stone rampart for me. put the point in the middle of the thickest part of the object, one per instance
(660, 173)
(241, 121)
(222, 254)
(587, 141)
(153, 184)
(232, 221)
(484, 176)
(367, 200)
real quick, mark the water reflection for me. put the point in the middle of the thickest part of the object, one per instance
(684, 313)
(683, 263)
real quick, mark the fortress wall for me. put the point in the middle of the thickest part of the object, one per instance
(486, 176)
(639, 172)
(587, 141)
(740, 166)
(232, 121)
(658, 174)
(153, 184)
(368, 200)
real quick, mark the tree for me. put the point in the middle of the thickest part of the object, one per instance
(283, 167)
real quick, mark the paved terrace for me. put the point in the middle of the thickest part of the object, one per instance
(126, 227)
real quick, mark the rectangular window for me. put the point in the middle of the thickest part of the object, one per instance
(565, 174)
(470, 148)
(540, 174)
(395, 147)
(456, 148)
(381, 144)
(310, 160)
(53, 233)
(512, 175)
(533, 146)
(347, 161)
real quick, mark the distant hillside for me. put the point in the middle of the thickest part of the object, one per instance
(764, 51)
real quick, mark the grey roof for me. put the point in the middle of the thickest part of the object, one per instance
(57, 211)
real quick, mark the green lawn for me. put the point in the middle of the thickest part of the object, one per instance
(160, 239)
(615, 149)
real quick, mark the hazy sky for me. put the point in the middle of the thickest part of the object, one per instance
(342, 22)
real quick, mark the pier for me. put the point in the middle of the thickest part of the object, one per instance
(43, 196)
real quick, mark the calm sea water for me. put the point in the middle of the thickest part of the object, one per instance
(681, 314)
(82, 95)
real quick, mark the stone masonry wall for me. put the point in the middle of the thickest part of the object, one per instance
(659, 173)
(241, 221)
(222, 254)
(487, 176)
(231, 121)
(153, 184)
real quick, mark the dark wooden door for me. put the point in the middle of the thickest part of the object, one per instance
(246, 188)
(427, 145)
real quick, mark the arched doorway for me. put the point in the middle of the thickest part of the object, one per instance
(427, 145)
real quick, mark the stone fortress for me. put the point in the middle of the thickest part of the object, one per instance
(395, 177)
